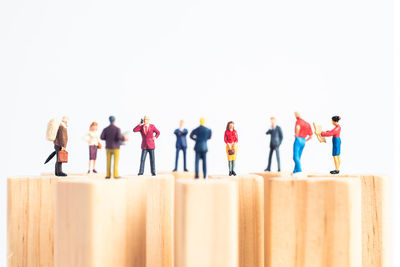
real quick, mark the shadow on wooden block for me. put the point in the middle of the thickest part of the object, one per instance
(312, 222)
(206, 226)
(375, 216)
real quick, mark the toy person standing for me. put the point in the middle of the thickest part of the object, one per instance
(201, 135)
(93, 139)
(303, 133)
(275, 142)
(147, 131)
(231, 140)
(336, 142)
(181, 144)
(60, 143)
(113, 137)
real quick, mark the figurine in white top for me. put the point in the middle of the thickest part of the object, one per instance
(93, 139)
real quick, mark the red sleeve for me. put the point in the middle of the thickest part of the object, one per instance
(330, 133)
(226, 138)
(137, 128)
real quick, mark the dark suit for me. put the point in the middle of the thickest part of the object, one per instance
(180, 145)
(148, 146)
(201, 135)
(276, 140)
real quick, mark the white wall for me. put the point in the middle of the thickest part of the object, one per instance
(224, 60)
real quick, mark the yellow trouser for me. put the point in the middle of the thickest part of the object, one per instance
(110, 153)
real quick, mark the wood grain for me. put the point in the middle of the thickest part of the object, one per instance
(312, 222)
(206, 227)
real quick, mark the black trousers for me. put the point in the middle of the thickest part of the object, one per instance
(271, 150)
(58, 167)
(143, 159)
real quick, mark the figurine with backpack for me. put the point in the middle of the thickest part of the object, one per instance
(57, 133)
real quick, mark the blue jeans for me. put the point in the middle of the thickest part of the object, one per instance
(200, 155)
(298, 147)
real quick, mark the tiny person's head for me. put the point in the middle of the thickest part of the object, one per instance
(297, 114)
(181, 123)
(111, 119)
(93, 126)
(146, 119)
(65, 120)
(335, 120)
(202, 121)
(273, 121)
(230, 126)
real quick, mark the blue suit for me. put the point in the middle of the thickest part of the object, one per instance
(201, 135)
(180, 145)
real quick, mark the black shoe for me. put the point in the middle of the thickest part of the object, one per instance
(267, 170)
(153, 174)
(107, 177)
(61, 174)
(139, 174)
(94, 171)
(185, 170)
(88, 171)
(334, 172)
(233, 173)
(174, 170)
(230, 173)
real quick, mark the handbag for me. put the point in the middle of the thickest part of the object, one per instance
(231, 151)
(62, 156)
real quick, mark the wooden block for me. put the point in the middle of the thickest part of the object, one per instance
(317, 131)
(76, 175)
(375, 211)
(179, 175)
(100, 223)
(312, 222)
(272, 174)
(251, 218)
(206, 226)
(160, 220)
(30, 221)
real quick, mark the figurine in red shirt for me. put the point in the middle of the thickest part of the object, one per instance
(231, 140)
(336, 141)
(303, 133)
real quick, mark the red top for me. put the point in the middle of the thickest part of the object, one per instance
(147, 135)
(335, 132)
(230, 137)
(305, 128)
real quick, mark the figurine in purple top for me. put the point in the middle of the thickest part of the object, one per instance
(113, 137)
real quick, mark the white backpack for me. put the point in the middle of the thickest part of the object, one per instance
(52, 129)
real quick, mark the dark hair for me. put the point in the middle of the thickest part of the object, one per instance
(227, 126)
(336, 118)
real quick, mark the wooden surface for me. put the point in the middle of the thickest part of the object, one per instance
(312, 222)
(206, 226)
(251, 218)
(100, 223)
(375, 218)
(272, 174)
(30, 221)
(160, 220)
(179, 174)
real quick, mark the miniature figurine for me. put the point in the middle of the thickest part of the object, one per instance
(336, 142)
(93, 139)
(231, 140)
(303, 133)
(200, 135)
(147, 131)
(57, 132)
(275, 142)
(181, 144)
(113, 137)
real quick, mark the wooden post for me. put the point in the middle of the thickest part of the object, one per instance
(206, 227)
(30, 221)
(100, 223)
(375, 211)
(251, 218)
(160, 220)
(312, 222)
(272, 174)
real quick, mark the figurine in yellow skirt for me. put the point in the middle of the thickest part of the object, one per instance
(231, 140)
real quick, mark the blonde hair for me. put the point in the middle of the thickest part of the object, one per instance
(202, 121)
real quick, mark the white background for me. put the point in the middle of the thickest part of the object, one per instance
(225, 60)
